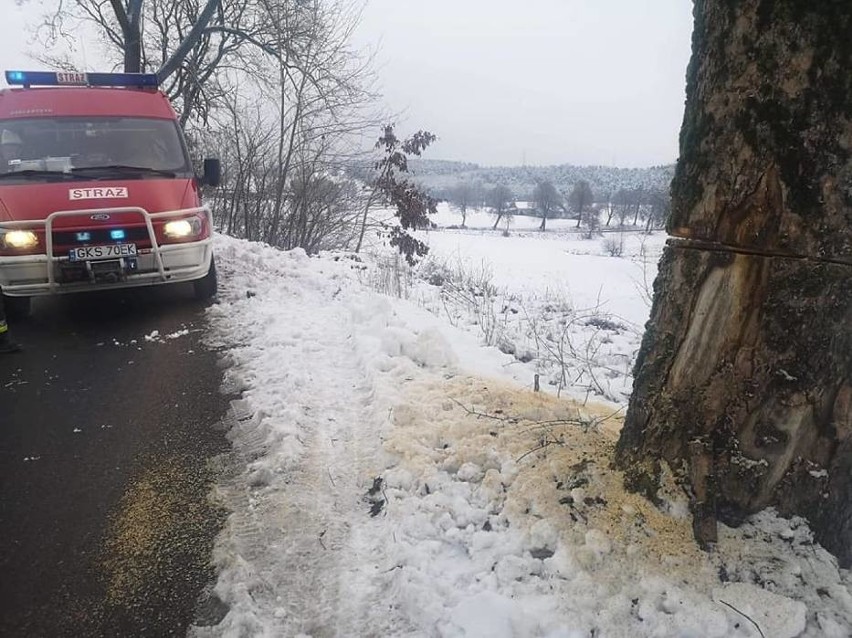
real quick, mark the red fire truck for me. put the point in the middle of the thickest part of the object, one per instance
(97, 190)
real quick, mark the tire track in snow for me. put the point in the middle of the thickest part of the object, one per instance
(322, 500)
(289, 540)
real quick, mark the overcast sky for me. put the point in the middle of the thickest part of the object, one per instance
(541, 81)
(13, 40)
(509, 81)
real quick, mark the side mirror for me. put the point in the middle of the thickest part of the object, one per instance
(212, 172)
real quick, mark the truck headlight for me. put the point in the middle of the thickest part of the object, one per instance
(20, 239)
(179, 228)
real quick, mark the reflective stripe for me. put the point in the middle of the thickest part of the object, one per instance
(3, 327)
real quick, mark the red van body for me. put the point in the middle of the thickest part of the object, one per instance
(97, 191)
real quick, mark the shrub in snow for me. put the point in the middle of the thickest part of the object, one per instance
(506, 347)
(613, 247)
(603, 323)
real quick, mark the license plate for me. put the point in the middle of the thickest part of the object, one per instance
(110, 251)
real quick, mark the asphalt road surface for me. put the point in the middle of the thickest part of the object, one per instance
(108, 446)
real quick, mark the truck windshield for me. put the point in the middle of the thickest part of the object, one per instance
(37, 147)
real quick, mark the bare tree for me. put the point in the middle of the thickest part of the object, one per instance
(321, 89)
(659, 207)
(121, 22)
(547, 200)
(591, 219)
(500, 200)
(610, 208)
(621, 203)
(245, 142)
(637, 199)
(463, 196)
(286, 126)
(744, 378)
(193, 79)
(188, 43)
(580, 197)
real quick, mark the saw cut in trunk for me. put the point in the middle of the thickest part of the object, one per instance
(744, 379)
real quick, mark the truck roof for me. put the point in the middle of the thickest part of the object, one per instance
(84, 101)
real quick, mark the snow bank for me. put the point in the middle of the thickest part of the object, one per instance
(390, 479)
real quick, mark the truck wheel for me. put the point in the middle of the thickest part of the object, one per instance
(205, 288)
(17, 307)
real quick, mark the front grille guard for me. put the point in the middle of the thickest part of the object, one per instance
(156, 249)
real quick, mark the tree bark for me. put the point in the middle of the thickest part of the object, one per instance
(129, 18)
(133, 52)
(744, 379)
(173, 63)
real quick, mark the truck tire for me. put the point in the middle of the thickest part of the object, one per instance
(206, 287)
(17, 307)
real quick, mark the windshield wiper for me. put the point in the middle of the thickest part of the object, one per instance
(123, 170)
(36, 173)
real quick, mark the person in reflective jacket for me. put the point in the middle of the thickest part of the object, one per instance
(6, 343)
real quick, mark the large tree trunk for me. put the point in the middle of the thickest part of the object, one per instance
(744, 379)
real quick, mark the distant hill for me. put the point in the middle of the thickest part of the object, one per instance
(439, 176)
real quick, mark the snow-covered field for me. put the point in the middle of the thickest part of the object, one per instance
(395, 474)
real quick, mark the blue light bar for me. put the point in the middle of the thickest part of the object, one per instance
(116, 234)
(63, 78)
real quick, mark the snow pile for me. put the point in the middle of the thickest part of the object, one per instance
(390, 478)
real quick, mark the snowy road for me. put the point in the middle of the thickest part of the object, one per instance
(106, 427)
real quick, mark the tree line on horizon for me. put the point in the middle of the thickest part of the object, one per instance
(624, 207)
(439, 176)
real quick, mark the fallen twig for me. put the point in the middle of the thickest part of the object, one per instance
(587, 424)
(484, 415)
(746, 616)
(544, 445)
